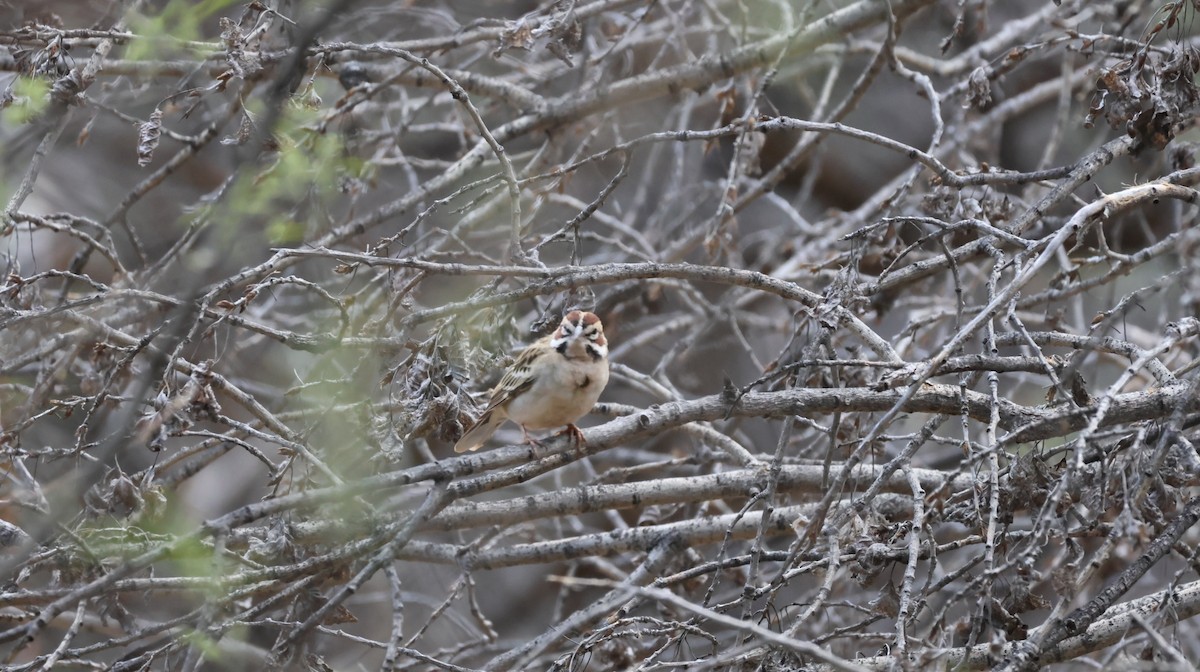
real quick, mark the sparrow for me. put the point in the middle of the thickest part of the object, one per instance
(553, 382)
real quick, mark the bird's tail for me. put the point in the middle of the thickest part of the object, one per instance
(481, 431)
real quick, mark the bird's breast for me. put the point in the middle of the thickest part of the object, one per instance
(561, 394)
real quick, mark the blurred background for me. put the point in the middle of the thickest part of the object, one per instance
(267, 250)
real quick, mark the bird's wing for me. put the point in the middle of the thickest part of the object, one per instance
(519, 377)
(516, 381)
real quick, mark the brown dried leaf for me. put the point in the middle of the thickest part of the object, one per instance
(518, 35)
(148, 134)
(85, 133)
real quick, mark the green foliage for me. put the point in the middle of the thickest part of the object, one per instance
(180, 20)
(193, 557)
(306, 164)
(112, 544)
(206, 644)
(29, 100)
(285, 231)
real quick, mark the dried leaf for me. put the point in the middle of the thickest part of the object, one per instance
(148, 134)
(85, 133)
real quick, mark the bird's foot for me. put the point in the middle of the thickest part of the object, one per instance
(529, 439)
(575, 434)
